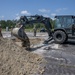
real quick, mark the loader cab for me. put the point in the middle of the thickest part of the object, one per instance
(64, 28)
(66, 22)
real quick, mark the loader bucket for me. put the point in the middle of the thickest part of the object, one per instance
(20, 34)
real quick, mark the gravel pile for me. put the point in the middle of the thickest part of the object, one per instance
(15, 60)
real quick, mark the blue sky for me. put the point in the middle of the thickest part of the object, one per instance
(13, 9)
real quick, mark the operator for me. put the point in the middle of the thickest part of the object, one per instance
(34, 30)
(73, 29)
(11, 31)
(0, 30)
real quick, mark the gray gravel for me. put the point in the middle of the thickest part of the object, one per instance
(60, 57)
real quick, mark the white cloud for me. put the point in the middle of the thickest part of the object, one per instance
(61, 9)
(44, 10)
(53, 14)
(2, 17)
(17, 18)
(65, 8)
(17, 14)
(21, 13)
(25, 12)
(58, 10)
(45, 15)
(52, 18)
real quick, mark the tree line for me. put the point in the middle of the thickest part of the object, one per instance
(12, 23)
(8, 23)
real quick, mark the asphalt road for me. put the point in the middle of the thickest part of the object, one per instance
(60, 57)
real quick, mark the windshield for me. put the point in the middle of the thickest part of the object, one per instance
(63, 22)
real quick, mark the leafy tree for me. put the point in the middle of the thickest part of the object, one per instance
(10, 23)
(3, 23)
(7, 23)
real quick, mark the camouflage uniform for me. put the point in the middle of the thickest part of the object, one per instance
(0, 31)
(34, 30)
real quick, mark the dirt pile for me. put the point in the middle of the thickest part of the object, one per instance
(36, 41)
(15, 60)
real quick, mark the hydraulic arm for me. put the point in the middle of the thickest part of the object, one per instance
(38, 19)
(24, 20)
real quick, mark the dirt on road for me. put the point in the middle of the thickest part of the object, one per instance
(15, 60)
